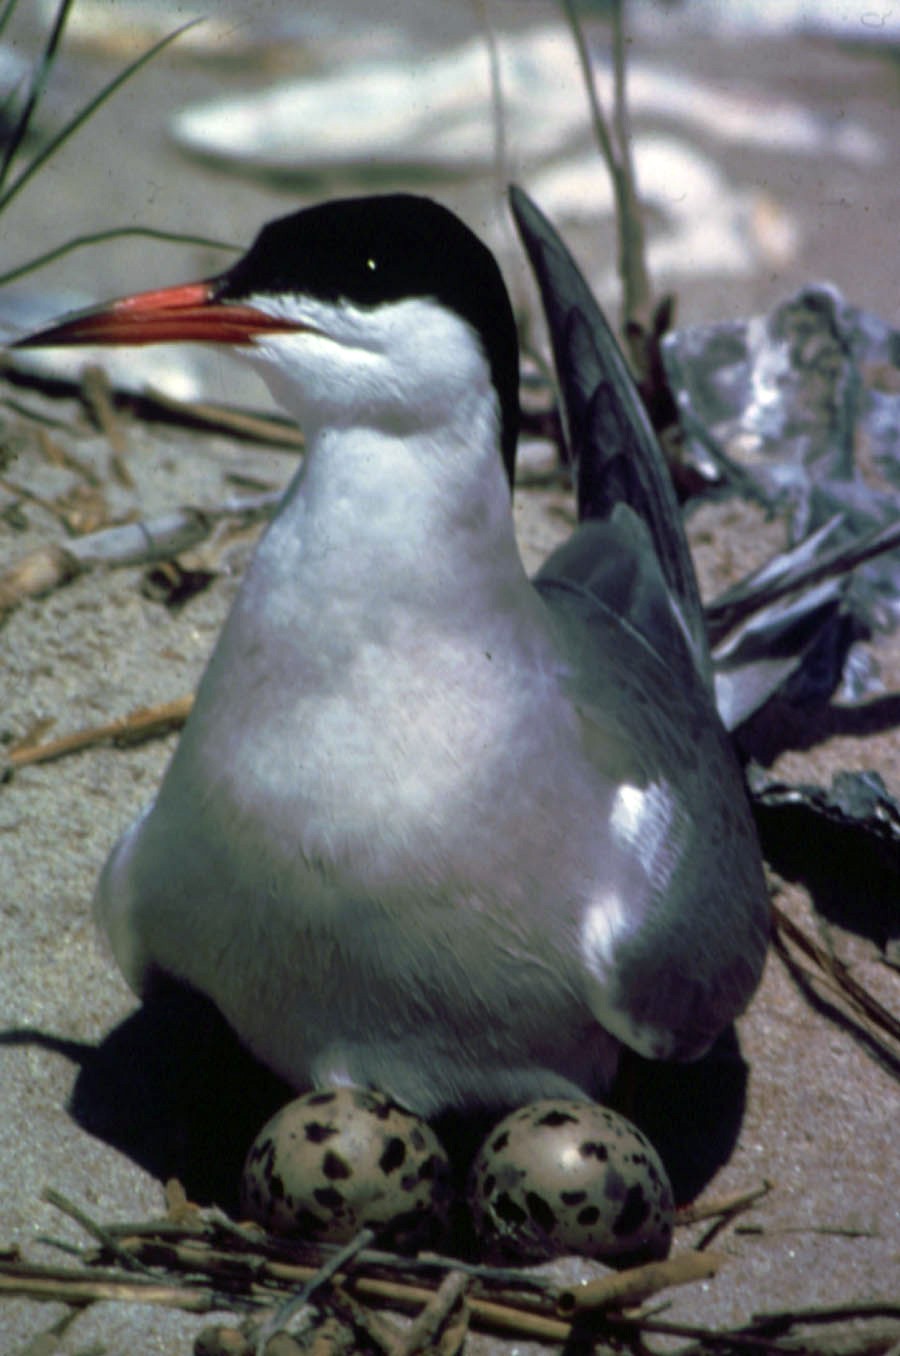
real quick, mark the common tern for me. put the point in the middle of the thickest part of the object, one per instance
(431, 826)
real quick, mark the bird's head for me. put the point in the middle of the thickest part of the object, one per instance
(384, 310)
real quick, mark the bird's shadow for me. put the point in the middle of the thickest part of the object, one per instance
(172, 1088)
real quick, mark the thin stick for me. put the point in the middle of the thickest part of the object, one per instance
(97, 1231)
(758, 590)
(727, 1205)
(162, 537)
(84, 1291)
(834, 969)
(830, 1313)
(97, 394)
(601, 131)
(732, 1339)
(62, 456)
(831, 1230)
(493, 1315)
(383, 1333)
(23, 492)
(252, 1236)
(286, 1312)
(146, 722)
(636, 290)
(422, 1335)
(632, 268)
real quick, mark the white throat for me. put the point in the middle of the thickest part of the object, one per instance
(403, 494)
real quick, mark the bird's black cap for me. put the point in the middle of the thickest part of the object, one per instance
(372, 250)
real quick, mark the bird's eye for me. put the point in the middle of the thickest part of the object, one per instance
(372, 265)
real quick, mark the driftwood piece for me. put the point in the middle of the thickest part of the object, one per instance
(139, 543)
(624, 1288)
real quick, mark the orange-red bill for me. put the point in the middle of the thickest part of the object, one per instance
(188, 311)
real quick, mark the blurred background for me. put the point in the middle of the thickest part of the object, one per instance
(765, 136)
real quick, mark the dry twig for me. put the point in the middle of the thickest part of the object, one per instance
(147, 722)
(834, 975)
(725, 1205)
(96, 1231)
(81, 1287)
(200, 1265)
(97, 394)
(326, 1272)
(436, 1316)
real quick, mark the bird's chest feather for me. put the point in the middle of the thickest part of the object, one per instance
(381, 748)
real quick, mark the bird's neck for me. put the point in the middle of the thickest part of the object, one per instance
(421, 521)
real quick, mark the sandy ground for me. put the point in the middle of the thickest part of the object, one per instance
(103, 1100)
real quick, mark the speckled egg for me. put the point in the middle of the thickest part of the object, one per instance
(333, 1161)
(570, 1177)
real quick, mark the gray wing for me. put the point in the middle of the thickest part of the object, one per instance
(673, 935)
(612, 444)
(674, 959)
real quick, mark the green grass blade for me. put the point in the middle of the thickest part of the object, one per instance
(38, 81)
(89, 108)
(114, 233)
(6, 14)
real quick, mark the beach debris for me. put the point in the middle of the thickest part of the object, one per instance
(135, 543)
(799, 410)
(206, 1263)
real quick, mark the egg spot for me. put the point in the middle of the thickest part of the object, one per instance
(393, 1156)
(334, 1167)
(554, 1118)
(317, 1132)
(634, 1213)
(571, 1198)
(328, 1197)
